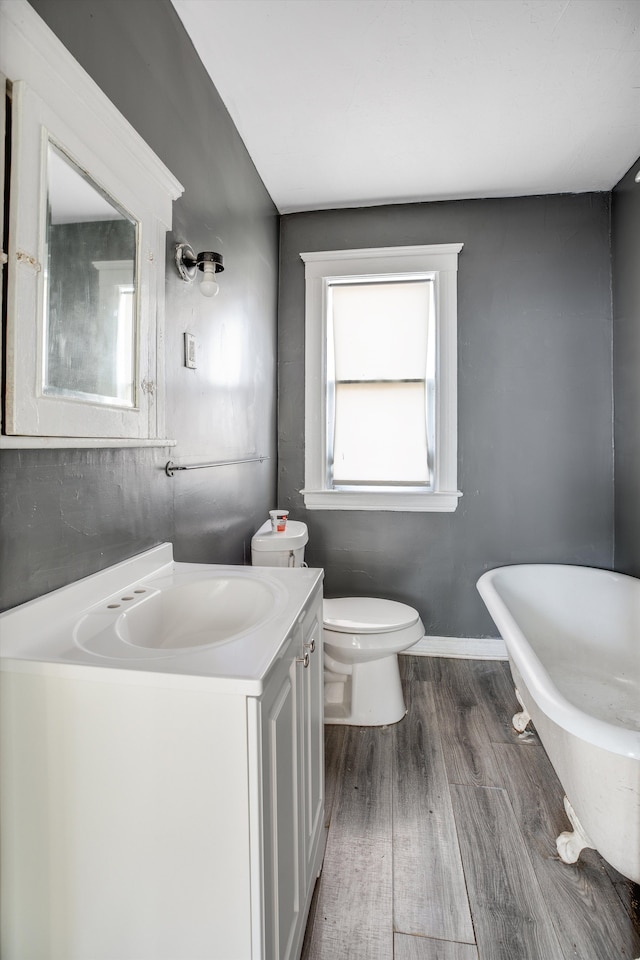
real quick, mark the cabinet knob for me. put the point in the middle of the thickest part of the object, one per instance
(304, 660)
(311, 645)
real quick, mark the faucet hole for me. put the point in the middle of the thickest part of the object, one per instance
(112, 606)
(139, 591)
(126, 598)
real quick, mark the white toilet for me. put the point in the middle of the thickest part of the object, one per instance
(362, 638)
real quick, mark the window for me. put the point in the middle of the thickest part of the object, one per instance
(380, 392)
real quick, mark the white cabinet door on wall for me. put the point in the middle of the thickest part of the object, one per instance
(89, 205)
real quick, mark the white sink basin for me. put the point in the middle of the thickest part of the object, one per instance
(197, 614)
(183, 612)
(151, 620)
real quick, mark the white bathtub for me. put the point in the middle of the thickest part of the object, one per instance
(573, 639)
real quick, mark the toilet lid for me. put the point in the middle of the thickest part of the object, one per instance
(367, 615)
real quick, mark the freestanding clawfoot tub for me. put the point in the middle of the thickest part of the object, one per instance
(573, 639)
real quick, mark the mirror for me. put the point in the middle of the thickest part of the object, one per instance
(89, 297)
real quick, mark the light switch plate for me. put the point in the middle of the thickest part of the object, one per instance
(190, 351)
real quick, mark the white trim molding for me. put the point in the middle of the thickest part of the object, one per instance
(439, 263)
(464, 648)
(441, 501)
(53, 443)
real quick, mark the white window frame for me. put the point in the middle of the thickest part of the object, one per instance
(440, 263)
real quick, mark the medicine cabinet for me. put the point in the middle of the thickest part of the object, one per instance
(89, 208)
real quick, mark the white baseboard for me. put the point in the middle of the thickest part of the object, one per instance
(468, 648)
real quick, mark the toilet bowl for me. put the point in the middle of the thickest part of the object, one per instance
(362, 638)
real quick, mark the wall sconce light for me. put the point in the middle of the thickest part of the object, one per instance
(210, 263)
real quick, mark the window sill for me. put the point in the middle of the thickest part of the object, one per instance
(401, 501)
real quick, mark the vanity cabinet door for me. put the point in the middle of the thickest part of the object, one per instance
(280, 771)
(292, 764)
(312, 744)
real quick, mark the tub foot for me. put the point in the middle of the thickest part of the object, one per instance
(571, 843)
(520, 720)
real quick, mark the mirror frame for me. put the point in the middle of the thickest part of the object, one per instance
(54, 99)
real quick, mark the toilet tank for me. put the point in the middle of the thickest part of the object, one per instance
(269, 549)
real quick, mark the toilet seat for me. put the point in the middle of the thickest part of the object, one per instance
(367, 615)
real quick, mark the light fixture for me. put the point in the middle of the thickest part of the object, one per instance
(210, 263)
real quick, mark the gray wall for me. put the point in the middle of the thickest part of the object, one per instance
(534, 396)
(626, 367)
(68, 513)
(535, 332)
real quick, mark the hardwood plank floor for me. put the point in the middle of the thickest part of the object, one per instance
(333, 747)
(509, 912)
(570, 894)
(348, 925)
(362, 795)
(465, 737)
(419, 948)
(451, 815)
(427, 869)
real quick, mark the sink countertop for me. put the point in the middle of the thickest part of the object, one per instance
(38, 636)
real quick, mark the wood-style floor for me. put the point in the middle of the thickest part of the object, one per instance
(441, 842)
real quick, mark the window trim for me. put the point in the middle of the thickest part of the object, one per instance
(323, 267)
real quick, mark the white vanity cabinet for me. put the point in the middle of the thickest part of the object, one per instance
(165, 809)
(290, 717)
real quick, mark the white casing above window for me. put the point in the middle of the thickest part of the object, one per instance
(321, 268)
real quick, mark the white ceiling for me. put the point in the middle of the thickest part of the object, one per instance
(357, 102)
